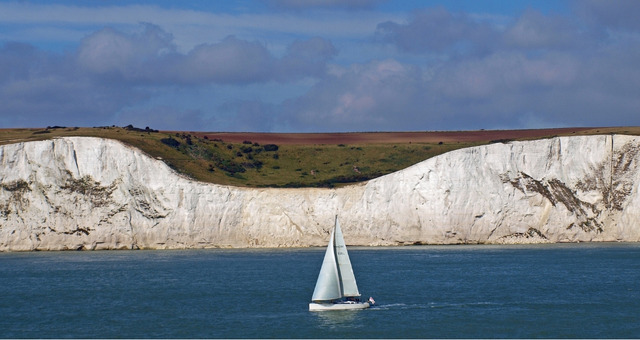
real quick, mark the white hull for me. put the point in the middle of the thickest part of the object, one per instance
(314, 306)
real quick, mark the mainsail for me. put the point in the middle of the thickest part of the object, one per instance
(349, 287)
(336, 279)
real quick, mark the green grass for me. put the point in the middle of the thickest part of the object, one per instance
(253, 165)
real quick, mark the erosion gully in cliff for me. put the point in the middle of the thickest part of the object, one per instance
(93, 193)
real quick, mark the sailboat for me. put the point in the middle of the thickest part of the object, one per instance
(336, 288)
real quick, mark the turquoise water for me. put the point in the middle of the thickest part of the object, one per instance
(550, 291)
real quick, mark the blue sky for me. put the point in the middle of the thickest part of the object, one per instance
(320, 65)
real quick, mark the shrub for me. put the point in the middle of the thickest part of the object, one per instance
(253, 165)
(270, 147)
(170, 142)
(230, 166)
(503, 141)
(133, 128)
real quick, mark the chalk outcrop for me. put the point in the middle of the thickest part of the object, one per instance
(92, 193)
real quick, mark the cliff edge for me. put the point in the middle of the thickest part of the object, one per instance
(92, 193)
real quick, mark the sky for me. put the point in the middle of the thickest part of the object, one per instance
(320, 65)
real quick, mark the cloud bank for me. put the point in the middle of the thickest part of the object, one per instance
(435, 69)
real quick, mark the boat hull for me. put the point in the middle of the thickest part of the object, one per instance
(316, 307)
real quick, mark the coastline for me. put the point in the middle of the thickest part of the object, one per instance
(78, 193)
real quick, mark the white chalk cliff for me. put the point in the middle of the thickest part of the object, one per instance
(92, 193)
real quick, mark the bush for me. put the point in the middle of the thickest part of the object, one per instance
(170, 142)
(230, 166)
(253, 165)
(270, 147)
(133, 128)
(503, 141)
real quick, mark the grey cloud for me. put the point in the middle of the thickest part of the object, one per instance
(248, 115)
(12, 60)
(308, 57)
(538, 70)
(163, 116)
(112, 71)
(544, 70)
(615, 14)
(378, 95)
(232, 61)
(150, 58)
(235, 61)
(131, 57)
(436, 30)
(534, 30)
(324, 4)
(504, 73)
(48, 89)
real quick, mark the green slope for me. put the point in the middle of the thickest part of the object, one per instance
(254, 165)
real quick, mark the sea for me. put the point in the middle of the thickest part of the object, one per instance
(586, 290)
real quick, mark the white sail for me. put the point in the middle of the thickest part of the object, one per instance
(328, 284)
(336, 280)
(349, 287)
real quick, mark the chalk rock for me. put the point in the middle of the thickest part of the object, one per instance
(92, 193)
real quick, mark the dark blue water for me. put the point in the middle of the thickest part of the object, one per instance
(551, 291)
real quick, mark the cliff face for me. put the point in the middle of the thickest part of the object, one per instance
(91, 193)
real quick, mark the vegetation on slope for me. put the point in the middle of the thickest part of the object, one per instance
(268, 165)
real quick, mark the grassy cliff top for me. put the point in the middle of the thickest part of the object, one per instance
(295, 160)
